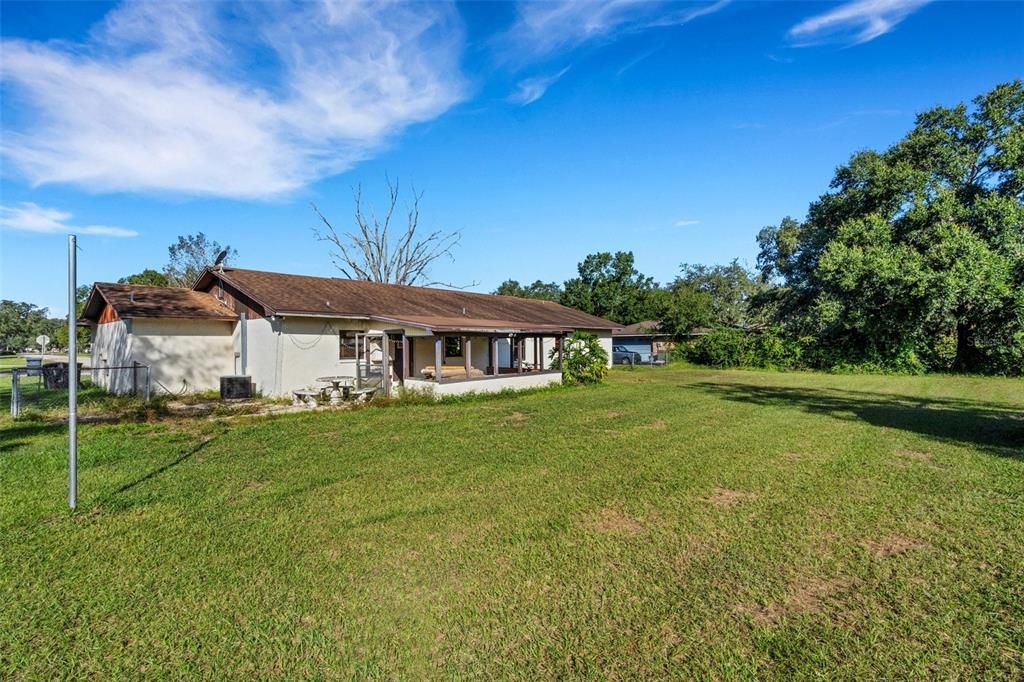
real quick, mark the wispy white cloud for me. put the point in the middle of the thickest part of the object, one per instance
(635, 60)
(854, 22)
(686, 223)
(160, 97)
(530, 90)
(543, 28)
(29, 217)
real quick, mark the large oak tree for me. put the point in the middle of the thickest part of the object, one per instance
(915, 257)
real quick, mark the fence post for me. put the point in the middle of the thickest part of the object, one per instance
(145, 395)
(15, 395)
(135, 378)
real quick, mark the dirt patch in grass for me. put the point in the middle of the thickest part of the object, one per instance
(892, 545)
(615, 414)
(805, 596)
(724, 497)
(613, 522)
(697, 548)
(658, 425)
(516, 419)
(914, 455)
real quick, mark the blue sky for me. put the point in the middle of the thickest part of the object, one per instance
(542, 131)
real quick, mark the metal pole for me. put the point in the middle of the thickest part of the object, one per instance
(15, 395)
(72, 375)
(145, 395)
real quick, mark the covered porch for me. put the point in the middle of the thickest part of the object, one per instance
(460, 361)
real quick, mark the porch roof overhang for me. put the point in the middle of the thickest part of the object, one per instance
(441, 325)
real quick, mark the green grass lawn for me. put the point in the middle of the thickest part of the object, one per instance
(674, 522)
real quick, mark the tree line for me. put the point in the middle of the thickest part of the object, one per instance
(912, 260)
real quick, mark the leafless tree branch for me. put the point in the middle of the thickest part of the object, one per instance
(372, 252)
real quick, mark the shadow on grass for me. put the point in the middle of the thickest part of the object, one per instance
(994, 428)
(14, 435)
(166, 467)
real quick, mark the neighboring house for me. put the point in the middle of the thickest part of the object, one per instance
(287, 331)
(645, 338)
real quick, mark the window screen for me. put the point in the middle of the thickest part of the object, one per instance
(347, 345)
(452, 347)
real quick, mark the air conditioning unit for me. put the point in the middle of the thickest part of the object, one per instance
(236, 387)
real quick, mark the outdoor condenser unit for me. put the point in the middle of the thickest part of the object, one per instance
(235, 387)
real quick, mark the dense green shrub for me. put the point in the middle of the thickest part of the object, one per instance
(584, 361)
(739, 348)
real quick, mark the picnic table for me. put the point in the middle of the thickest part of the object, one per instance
(341, 388)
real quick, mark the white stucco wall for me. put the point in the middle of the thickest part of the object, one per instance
(489, 385)
(183, 355)
(605, 339)
(309, 347)
(111, 347)
(262, 346)
(422, 355)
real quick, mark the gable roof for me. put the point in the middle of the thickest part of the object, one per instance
(427, 307)
(137, 300)
(643, 328)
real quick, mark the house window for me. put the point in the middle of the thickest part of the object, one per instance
(452, 347)
(347, 345)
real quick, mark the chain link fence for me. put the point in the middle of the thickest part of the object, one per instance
(44, 386)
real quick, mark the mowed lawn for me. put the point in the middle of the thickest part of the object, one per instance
(673, 522)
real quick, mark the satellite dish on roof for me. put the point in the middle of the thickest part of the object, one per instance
(220, 257)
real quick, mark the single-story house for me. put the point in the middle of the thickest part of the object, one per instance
(287, 331)
(645, 338)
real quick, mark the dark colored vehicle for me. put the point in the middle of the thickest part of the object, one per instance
(623, 356)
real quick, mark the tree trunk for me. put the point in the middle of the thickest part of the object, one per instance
(966, 353)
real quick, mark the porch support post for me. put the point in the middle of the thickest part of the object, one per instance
(492, 354)
(467, 355)
(561, 351)
(521, 347)
(405, 357)
(438, 357)
(540, 353)
(359, 363)
(385, 342)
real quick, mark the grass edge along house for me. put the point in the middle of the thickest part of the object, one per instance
(286, 331)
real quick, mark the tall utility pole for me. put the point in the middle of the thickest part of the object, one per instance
(72, 374)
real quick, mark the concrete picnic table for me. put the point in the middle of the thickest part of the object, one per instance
(341, 388)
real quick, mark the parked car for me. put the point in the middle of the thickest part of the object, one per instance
(624, 356)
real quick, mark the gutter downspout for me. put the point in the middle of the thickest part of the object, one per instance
(243, 342)
(278, 356)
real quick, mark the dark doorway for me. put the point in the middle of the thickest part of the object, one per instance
(397, 344)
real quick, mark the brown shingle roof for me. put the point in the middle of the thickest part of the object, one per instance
(282, 294)
(136, 300)
(643, 328)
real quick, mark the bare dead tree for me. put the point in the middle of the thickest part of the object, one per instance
(372, 251)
